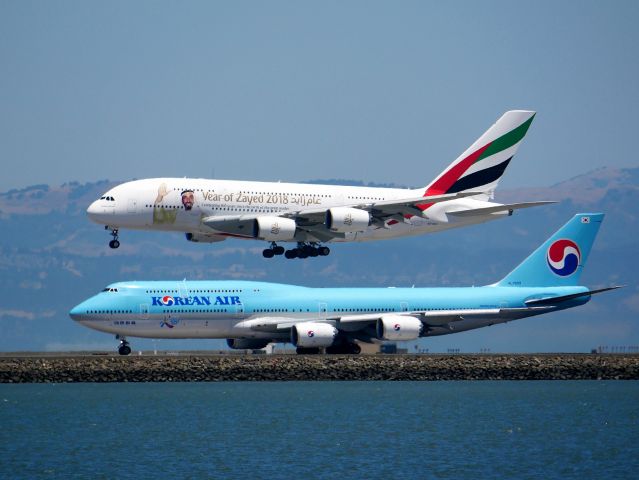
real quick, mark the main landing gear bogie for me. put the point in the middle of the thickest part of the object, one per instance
(274, 250)
(115, 243)
(303, 250)
(346, 348)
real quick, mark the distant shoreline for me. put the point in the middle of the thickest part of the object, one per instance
(33, 367)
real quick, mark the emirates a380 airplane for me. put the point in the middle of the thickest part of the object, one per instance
(311, 215)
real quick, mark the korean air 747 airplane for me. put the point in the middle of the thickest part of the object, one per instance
(311, 215)
(252, 314)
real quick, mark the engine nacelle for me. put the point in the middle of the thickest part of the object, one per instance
(246, 343)
(203, 238)
(347, 220)
(398, 327)
(274, 229)
(311, 334)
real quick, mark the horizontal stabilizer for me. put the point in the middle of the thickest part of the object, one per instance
(565, 298)
(498, 208)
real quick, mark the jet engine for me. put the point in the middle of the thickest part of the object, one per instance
(346, 219)
(398, 327)
(311, 334)
(204, 238)
(246, 343)
(274, 229)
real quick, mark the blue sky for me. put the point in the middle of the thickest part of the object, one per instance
(377, 91)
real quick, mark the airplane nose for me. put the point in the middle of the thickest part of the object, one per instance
(76, 313)
(94, 211)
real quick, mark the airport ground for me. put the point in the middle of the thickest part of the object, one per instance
(207, 367)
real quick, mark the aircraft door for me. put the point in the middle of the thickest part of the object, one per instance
(403, 306)
(144, 310)
(239, 310)
(183, 291)
(322, 307)
(132, 206)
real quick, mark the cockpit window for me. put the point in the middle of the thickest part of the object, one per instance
(108, 289)
(107, 198)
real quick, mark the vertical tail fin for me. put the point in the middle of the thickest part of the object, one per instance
(481, 166)
(561, 258)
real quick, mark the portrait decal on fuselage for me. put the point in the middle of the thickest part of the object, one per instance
(162, 213)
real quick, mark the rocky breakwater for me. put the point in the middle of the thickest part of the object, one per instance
(187, 368)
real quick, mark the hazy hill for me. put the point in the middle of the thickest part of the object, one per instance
(52, 257)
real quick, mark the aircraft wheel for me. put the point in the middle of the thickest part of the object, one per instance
(290, 253)
(313, 253)
(124, 350)
(268, 253)
(278, 250)
(307, 350)
(324, 251)
(302, 254)
(355, 348)
(114, 243)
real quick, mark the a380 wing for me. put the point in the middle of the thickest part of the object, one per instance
(312, 220)
(234, 225)
(381, 211)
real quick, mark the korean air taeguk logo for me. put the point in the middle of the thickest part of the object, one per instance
(563, 257)
(167, 300)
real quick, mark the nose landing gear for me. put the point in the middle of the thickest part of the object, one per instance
(115, 243)
(124, 348)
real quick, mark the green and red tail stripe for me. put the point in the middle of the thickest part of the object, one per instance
(453, 179)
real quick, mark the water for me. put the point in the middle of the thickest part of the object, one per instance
(323, 430)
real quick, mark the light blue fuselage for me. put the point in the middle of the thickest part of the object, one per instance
(224, 309)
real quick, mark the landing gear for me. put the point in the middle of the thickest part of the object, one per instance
(305, 250)
(124, 348)
(346, 348)
(274, 250)
(307, 350)
(115, 243)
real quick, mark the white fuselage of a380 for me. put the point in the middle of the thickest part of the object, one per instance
(311, 215)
